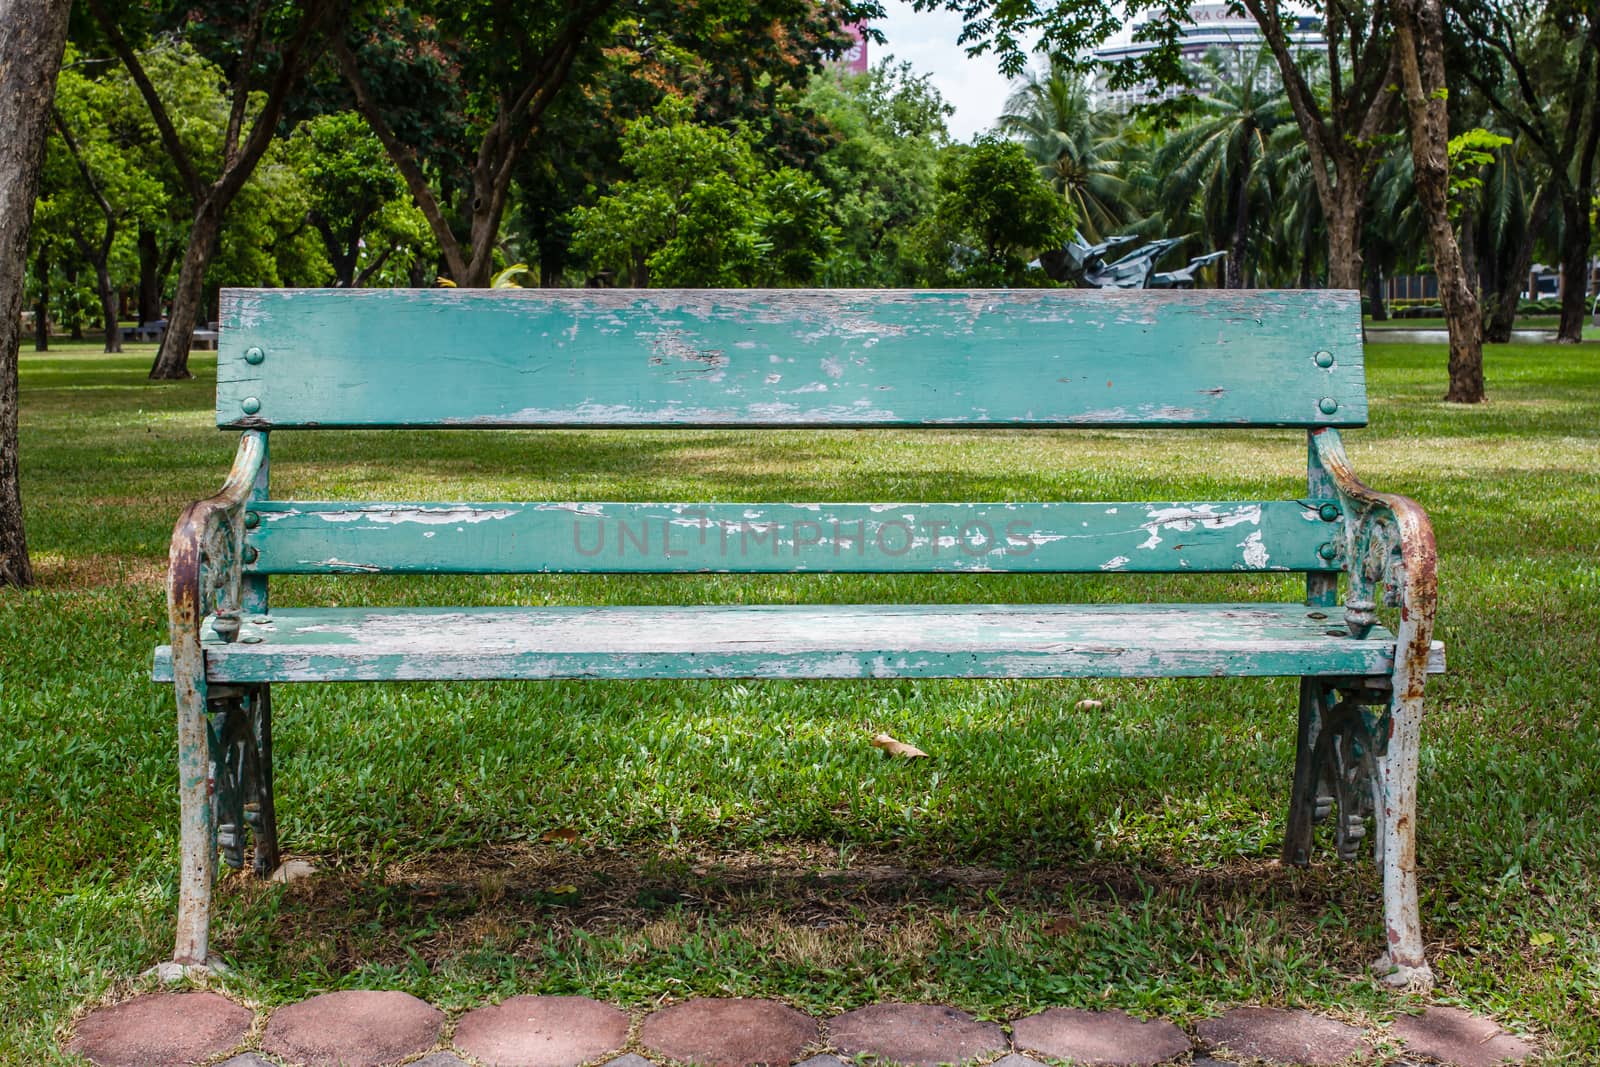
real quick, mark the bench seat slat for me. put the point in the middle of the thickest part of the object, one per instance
(312, 358)
(794, 641)
(312, 537)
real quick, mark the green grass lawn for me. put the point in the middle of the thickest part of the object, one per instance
(742, 838)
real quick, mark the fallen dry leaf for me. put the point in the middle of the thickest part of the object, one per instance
(566, 835)
(1060, 927)
(1088, 705)
(898, 748)
(293, 871)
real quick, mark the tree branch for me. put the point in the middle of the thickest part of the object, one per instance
(158, 110)
(403, 158)
(241, 84)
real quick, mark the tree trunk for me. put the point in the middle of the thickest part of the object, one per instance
(1240, 237)
(1344, 239)
(41, 304)
(1502, 313)
(149, 276)
(1380, 309)
(1420, 31)
(108, 306)
(1574, 267)
(74, 312)
(33, 34)
(172, 361)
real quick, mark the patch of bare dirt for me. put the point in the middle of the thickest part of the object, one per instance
(75, 572)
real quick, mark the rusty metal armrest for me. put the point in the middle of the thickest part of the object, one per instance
(205, 562)
(1388, 545)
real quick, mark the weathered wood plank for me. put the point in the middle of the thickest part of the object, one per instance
(314, 537)
(301, 358)
(796, 641)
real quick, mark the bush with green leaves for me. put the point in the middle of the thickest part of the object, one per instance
(703, 208)
(995, 213)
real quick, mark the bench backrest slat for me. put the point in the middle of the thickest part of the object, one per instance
(577, 358)
(301, 537)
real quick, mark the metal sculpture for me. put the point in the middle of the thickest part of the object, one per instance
(1086, 265)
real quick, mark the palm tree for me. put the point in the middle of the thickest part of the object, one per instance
(1080, 150)
(1218, 157)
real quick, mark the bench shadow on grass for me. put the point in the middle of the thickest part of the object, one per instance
(507, 907)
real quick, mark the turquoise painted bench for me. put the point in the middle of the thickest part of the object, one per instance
(300, 360)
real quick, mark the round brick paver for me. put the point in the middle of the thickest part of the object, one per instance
(353, 1028)
(1099, 1038)
(1279, 1036)
(729, 1033)
(161, 1030)
(1459, 1038)
(917, 1035)
(542, 1032)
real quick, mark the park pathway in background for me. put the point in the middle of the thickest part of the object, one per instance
(372, 1028)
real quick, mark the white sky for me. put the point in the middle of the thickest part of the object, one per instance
(975, 87)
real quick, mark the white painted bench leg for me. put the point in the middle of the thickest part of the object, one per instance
(1404, 964)
(198, 844)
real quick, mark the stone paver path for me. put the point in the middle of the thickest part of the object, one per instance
(161, 1030)
(1451, 1035)
(916, 1035)
(542, 1032)
(1099, 1038)
(353, 1028)
(358, 1028)
(1279, 1036)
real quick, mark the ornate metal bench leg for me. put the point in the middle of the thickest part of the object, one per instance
(198, 842)
(1403, 964)
(259, 809)
(1303, 801)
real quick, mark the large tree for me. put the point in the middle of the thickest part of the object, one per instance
(458, 91)
(1343, 96)
(265, 49)
(1081, 150)
(33, 35)
(1537, 63)
(1420, 46)
(102, 191)
(1222, 157)
(887, 132)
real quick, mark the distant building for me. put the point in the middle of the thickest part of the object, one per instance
(1236, 38)
(855, 57)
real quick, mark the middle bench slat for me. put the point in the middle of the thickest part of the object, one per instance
(313, 537)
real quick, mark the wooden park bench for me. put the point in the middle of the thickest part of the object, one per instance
(1045, 360)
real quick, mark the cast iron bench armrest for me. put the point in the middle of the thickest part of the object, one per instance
(205, 561)
(1389, 543)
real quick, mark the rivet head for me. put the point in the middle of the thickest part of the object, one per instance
(255, 355)
(1326, 550)
(1324, 358)
(250, 639)
(251, 405)
(1329, 512)
(1327, 405)
(250, 553)
(252, 519)
(261, 620)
